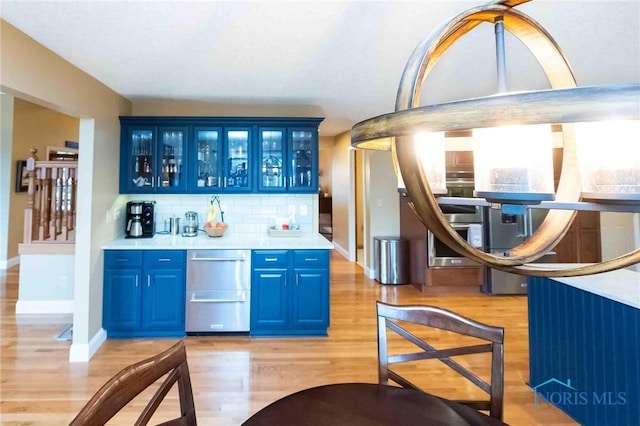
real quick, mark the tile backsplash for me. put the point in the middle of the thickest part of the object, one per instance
(251, 213)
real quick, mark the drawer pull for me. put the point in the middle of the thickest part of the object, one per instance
(270, 259)
(164, 259)
(310, 259)
(122, 259)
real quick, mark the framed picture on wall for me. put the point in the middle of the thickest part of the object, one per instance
(22, 180)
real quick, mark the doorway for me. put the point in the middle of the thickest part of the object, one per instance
(358, 173)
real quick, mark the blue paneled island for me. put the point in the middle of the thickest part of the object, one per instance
(584, 346)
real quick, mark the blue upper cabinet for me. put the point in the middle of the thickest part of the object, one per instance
(272, 173)
(303, 160)
(152, 158)
(238, 159)
(288, 159)
(205, 168)
(212, 155)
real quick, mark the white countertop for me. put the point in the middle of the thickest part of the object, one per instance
(621, 286)
(230, 240)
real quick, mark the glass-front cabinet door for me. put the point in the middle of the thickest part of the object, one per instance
(153, 157)
(170, 169)
(206, 174)
(140, 173)
(272, 174)
(237, 176)
(303, 164)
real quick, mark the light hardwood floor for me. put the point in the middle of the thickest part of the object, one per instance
(235, 376)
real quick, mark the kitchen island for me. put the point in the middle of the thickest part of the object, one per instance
(278, 285)
(584, 341)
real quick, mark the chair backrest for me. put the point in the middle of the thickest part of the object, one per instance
(430, 316)
(134, 379)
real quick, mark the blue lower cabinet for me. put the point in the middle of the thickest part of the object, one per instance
(290, 293)
(310, 304)
(144, 293)
(269, 299)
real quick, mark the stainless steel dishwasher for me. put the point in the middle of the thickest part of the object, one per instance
(218, 291)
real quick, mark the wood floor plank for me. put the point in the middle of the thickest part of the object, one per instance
(235, 376)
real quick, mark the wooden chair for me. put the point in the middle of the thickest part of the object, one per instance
(438, 318)
(134, 379)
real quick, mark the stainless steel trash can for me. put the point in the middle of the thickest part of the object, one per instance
(391, 260)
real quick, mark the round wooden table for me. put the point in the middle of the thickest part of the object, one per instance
(367, 404)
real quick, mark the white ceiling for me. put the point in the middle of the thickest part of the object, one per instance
(341, 60)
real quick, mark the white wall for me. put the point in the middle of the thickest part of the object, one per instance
(46, 284)
(619, 234)
(381, 197)
(245, 214)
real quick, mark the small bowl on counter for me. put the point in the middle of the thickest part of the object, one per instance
(216, 230)
(275, 231)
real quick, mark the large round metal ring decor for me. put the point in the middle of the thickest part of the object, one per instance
(564, 103)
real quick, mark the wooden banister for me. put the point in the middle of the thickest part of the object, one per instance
(50, 215)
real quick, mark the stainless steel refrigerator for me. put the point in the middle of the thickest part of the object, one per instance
(502, 233)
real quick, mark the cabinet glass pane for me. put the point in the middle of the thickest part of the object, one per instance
(302, 160)
(272, 149)
(207, 145)
(237, 158)
(171, 151)
(142, 158)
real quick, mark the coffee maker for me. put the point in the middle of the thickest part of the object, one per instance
(139, 221)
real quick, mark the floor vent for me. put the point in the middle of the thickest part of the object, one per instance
(67, 334)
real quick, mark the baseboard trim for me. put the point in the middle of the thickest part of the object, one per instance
(341, 250)
(44, 307)
(370, 273)
(82, 352)
(6, 264)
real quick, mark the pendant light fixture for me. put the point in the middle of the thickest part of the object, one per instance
(605, 179)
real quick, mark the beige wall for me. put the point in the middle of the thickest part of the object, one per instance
(32, 72)
(229, 109)
(343, 210)
(39, 127)
(324, 160)
(6, 141)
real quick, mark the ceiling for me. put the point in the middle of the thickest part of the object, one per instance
(341, 60)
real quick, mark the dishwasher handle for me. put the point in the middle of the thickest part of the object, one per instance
(219, 259)
(193, 299)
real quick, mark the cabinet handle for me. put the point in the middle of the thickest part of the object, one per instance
(136, 281)
(270, 259)
(164, 259)
(148, 280)
(310, 259)
(122, 259)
